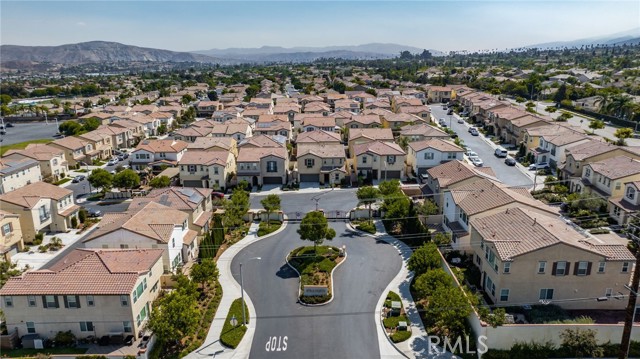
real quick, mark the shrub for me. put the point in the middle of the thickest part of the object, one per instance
(393, 296)
(367, 227)
(82, 215)
(74, 222)
(65, 339)
(315, 299)
(43, 248)
(400, 336)
(392, 322)
(38, 238)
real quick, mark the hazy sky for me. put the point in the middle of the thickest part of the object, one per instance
(200, 25)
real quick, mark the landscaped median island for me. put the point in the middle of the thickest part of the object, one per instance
(233, 329)
(315, 264)
(364, 225)
(268, 227)
(396, 322)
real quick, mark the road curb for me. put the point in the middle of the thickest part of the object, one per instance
(286, 259)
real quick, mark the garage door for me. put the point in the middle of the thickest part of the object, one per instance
(422, 170)
(309, 178)
(192, 183)
(272, 180)
(391, 175)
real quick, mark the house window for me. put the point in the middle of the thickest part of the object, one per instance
(126, 327)
(90, 301)
(364, 159)
(451, 155)
(391, 159)
(216, 170)
(583, 268)
(50, 301)
(561, 268)
(86, 326)
(616, 211)
(31, 328)
(124, 300)
(608, 292)
(7, 229)
(617, 185)
(428, 155)
(504, 295)
(272, 166)
(506, 267)
(546, 294)
(631, 193)
(625, 267)
(31, 299)
(124, 246)
(44, 214)
(8, 301)
(542, 266)
(309, 162)
(72, 301)
(587, 172)
(601, 266)
(192, 168)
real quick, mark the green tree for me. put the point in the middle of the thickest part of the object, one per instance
(8, 269)
(339, 87)
(596, 125)
(101, 178)
(368, 195)
(441, 239)
(447, 310)
(622, 134)
(564, 117)
(314, 227)
(271, 203)
(390, 188)
(187, 99)
(127, 179)
(70, 128)
(581, 343)
(403, 142)
(82, 215)
(424, 258)
(204, 272)
(621, 105)
(236, 208)
(427, 208)
(174, 317)
(427, 283)
(5, 99)
(212, 95)
(495, 319)
(160, 182)
(91, 124)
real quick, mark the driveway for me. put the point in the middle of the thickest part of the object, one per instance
(345, 328)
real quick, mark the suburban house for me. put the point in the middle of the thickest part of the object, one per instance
(514, 131)
(623, 208)
(17, 172)
(363, 121)
(321, 162)
(149, 124)
(422, 155)
(325, 123)
(481, 198)
(52, 162)
(225, 115)
(347, 105)
(273, 125)
(237, 129)
(422, 131)
(196, 202)
(379, 104)
(100, 141)
(192, 133)
(395, 121)
(402, 101)
(11, 241)
(318, 137)
(214, 144)
(263, 103)
(551, 148)
(149, 226)
(207, 169)
(532, 135)
(207, 108)
(450, 175)
(378, 160)
(157, 153)
(363, 135)
(331, 99)
(260, 141)
(41, 207)
(76, 150)
(90, 292)
(319, 108)
(526, 257)
(288, 110)
(263, 165)
(166, 119)
(121, 137)
(607, 177)
(440, 94)
(421, 111)
(500, 118)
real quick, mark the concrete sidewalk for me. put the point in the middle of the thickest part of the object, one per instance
(230, 292)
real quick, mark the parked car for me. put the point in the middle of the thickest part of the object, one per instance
(217, 195)
(121, 158)
(471, 154)
(476, 161)
(510, 161)
(450, 112)
(77, 179)
(112, 161)
(500, 152)
(538, 166)
(460, 120)
(474, 131)
(94, 213)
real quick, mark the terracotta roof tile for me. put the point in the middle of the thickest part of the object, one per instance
(29, 195)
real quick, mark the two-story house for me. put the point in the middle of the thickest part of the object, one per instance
(121, 137)
(551, 148)
(403, 101)
(76, 150)
(607, 177)
(378, 160)
(347, 105)
(100, 141)
(157, 153)
(52, 162)
(514, 131)
(325, 123)
(321, 162)
(192, 133)
(422, 132)
(363, 121)
(526, 257)
(89, 292)
(289, 110)
(318, 137)
(17, 172)
(440, 94)
(11, 241)
(363, 135)
(207, 108)
(422, 155)
(622, 208)
(214, 144)
(451, 175)
(396, 121)
(207, 169)
(149, 226)
(318, 108)
(273, 125)
(421, 111)
(41, 207)
(262, 165)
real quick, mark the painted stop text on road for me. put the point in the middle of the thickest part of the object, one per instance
(276, 344)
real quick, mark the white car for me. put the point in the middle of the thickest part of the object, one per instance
(538, 166)
(474, 131)
(476, 161)
(471, 154)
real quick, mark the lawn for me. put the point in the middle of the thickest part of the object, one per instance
(22, 353)
(265, 229)
(231, 336)
(21, 145)
(315, 267)
(64, 180)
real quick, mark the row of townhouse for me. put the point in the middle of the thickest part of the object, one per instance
(525, 252)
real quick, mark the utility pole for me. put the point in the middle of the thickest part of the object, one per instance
(631, 306)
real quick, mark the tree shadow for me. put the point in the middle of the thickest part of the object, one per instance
(286, 272)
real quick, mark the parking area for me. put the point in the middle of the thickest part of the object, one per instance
(22, 132)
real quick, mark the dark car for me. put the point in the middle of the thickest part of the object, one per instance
(8, 124)
(77, 179)
(510, 161)
(217, 195)
(450, 112)
(94, 213)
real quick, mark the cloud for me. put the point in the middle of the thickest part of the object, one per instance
(81, 23)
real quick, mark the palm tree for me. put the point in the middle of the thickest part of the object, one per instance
(602, 102)
(621, 106)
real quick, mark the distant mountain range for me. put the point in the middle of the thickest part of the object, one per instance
(626, 37)
(96, 51)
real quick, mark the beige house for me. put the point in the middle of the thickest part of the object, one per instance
(208, 169)
(396, 121)
(363, 121)
(263, 165)
(321, 162)
(526, 257)
(121, 136)
(422, 155)
(214, 144)
(624, 207)
(318, 137)
(90, 292)
(363, 135)
(606, 178)
(422, 132)
(157, 153)
(440, 94)
(378, 160)
(76, 150)
(450, 175)
(420, 111)
(325, 123)
(148, 226)
(100, 141)
(41, 207)
(11, 241)
(207, 108)
(17, 172)
(52, 162)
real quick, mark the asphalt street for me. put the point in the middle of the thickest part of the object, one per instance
(345, 328)
(511, 176)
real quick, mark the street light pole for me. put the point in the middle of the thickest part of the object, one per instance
(244, 318)
(625, 342)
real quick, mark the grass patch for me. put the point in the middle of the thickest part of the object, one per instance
(95, 197)
(392, 322)
(231, 336)
(394, 296)
(264, 229)
(64, 180)
(21, 353)
(315, 266)
(21, 145)
(368, 227)
(82, 170)
(400, 336)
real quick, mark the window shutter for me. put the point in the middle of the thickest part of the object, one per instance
(555, 267)
(567, 270)
(589, 268)
(66, 303)
(44, 301)
(77, 301)
(575, 268)
(55, 297)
